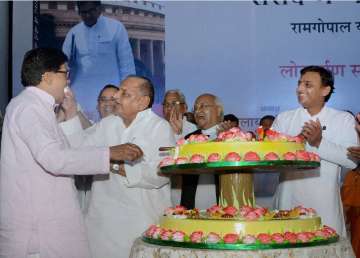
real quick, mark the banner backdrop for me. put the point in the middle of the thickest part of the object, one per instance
(250, 53)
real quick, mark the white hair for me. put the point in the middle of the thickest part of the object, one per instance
(178, 92)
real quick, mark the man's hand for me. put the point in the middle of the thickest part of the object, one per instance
(354, 152)
(312, 132)
(357, 126)
(125, 152)
(223, 126)
(175, 121)
(69, 105)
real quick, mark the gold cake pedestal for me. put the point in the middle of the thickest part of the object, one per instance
(236, 178)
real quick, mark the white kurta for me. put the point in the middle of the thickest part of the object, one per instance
(318, 188)
(121, 208)
(98, 55)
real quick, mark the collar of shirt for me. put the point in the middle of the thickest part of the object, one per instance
(139, 117)
(318, 115)
(212, 132)
(43, 95)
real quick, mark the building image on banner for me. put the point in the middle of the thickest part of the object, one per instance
(144, 23)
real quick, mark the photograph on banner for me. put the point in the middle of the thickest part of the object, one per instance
(105, 41)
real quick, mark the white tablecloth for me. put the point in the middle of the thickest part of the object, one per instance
(341, 249)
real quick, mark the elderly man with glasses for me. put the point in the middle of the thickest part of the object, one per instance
(174, 108)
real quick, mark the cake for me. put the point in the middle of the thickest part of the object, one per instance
(238, 224)
(244, 228)
(238, 148)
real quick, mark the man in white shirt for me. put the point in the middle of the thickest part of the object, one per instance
(39, 212)
(99, 53)
(124, 204)
(327, 132)
(174, 108)
(209, 113)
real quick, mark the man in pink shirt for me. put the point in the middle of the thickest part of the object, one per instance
(39, 211)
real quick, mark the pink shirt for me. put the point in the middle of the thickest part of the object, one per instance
(39, 210)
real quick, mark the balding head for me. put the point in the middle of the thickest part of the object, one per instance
(208, 111)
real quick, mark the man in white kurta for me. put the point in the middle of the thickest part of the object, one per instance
(99, 53)
(334, 131)
(123, 206)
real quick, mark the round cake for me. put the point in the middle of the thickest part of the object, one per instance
(231, 228)
(237, 146)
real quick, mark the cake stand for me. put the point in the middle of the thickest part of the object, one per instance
(236, 178)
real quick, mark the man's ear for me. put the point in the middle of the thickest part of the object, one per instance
(46, 78)
(144, 102)
(326, 90)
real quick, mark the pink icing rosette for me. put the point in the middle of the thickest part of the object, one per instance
(198, 138)
(278, 238)
(251, 156)
(196, 236)
(213, 238)
(150, 231)
(303, 237)
(157, 232)
(271, 156)
(231, 238)
(264, 238)
(291, 237)
(230, 210)
(302, 155)
(214, 157)
(215, 209)
(181, 141)
(165, 234)
(167, 161)
(252, 215)
(249, 239)
(289, 156)
(245, 210)
(197, 158)
(232, 156)
(178, 236)
(181, 160)
(179, 209)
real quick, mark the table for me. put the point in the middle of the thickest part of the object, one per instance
(341, 249)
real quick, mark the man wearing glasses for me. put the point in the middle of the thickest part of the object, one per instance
(99, 53)
(39, 213)
(174, 108)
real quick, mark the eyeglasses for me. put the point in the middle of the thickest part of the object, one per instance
(106, 99)
(172, 104)
(64, 72)
(203, 106)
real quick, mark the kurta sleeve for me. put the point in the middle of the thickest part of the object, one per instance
(124, 53)
(92, 136)
(50, 149)
(66, 48)
(334, 149)
(144, 174)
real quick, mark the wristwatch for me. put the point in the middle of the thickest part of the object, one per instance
(115, 167)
